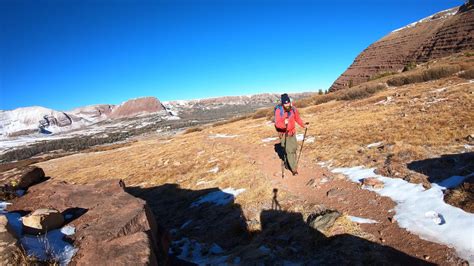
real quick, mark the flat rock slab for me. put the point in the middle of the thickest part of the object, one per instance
(112, 226)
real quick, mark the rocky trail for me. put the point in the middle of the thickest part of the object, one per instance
(318, 185)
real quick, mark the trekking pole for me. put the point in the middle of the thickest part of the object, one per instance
(284, 154)
(301, 149)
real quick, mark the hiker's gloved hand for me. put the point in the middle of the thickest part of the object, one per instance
(306, 125)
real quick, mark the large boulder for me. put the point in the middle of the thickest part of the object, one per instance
(112, 226)
(19, 179)
(322, 219)
(42, 220)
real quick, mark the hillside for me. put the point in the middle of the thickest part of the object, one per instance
(219, 190)
(436, 36)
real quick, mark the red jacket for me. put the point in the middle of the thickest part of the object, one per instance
(293, 116)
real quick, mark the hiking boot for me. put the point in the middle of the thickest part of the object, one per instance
(294, 172)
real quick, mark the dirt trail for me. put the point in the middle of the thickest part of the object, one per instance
(345, 196)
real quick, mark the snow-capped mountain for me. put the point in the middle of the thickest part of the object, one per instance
(26, 120)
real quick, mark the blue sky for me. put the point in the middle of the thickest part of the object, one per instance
(70, 53)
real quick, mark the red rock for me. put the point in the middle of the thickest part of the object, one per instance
(136, 107)
(22, 178)
(372, 182)
(437, 36)
(116, 229)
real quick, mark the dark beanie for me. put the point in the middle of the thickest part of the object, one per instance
(285, 98)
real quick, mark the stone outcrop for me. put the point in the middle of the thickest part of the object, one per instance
(19, 179)
(92, 112)
(112, 226)
(138, 106)
(439, 35)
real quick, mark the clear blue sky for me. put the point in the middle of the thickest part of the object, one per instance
(70, 53)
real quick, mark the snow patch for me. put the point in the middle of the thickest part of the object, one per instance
(310, 139)
(453, 181)
(220, 197)
(360, 220)
(413, 202)
(50, 246)
(3, 206)
(186, 224)
(375, 144)
(269, 139)
(214, 170)
(193, 251)
(224, 136)
(447, 13)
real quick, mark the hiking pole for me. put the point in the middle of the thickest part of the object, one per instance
(284, 153)
(301, 149)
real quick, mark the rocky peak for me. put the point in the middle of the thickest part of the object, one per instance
(444, 33)
(137, 106)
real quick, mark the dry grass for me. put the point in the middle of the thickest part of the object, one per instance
(232, 120)
(192, 130)
(433, 73)
(264, 112)
(467, 74)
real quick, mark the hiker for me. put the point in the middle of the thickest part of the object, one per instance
(286, 117)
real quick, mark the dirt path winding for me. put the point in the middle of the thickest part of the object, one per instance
(318, 185)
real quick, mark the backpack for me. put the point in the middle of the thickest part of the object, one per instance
(282, 110)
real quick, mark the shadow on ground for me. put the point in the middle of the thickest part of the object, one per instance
(460, 167)
(443, 167)
(283, 237)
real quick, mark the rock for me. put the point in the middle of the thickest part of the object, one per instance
(372, 182)
(10, 253)
(335, 192)
(470, 138)
(112, 226)
(137, 106)
(42, 220)
(339, 177)
(322, 220)
(437, 36)
(22, 178)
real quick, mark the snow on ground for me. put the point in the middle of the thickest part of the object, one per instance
(50, 246)
(362, 220)
(269, 139)
(186, 224)
(220, 197)
(448, 12)
(309, 139)
(214, 170)
(201, 254)
(375, 144)
(413, 204)
(3, 206)
(224, 136)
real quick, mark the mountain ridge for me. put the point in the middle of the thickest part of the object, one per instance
(439, 35)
